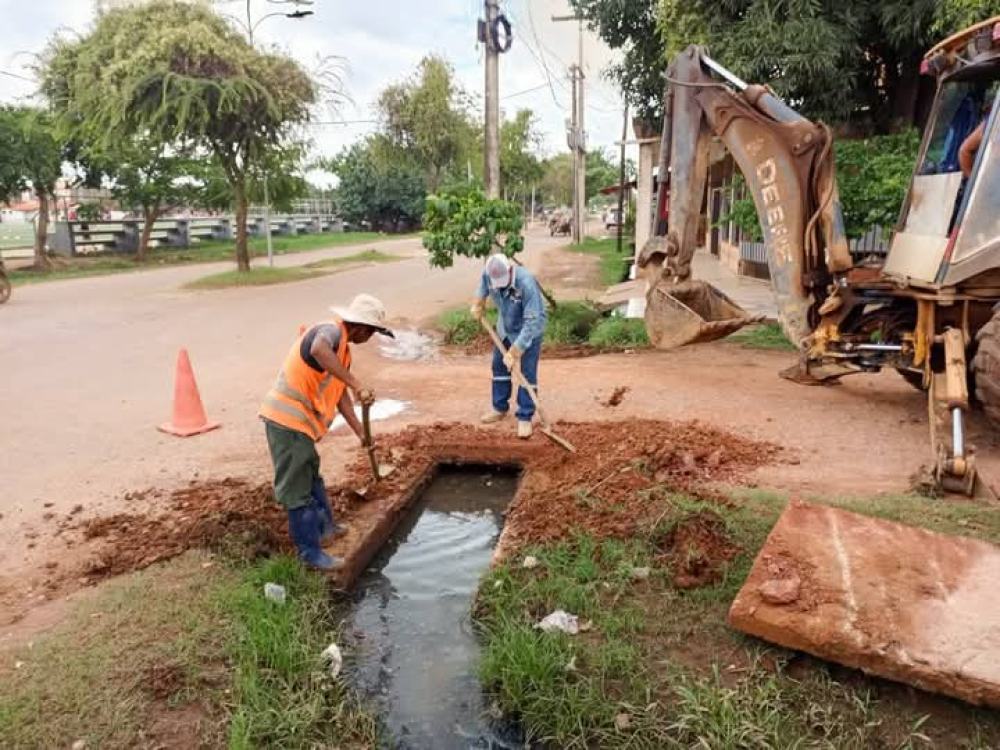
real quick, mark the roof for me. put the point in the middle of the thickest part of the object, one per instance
(610, 189)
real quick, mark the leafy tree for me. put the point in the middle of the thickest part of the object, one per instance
(385, 195)
(426, 119)
(466, 222)
(168, 72)
(601, 172)
(520, 140)
(30, 159)
(557, 181)
(847, 61)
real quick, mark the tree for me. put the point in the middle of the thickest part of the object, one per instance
(466, 222)
(601, 172)
(169, 72)
(152, 178)
(852, 62)
(385, 195)
(557, 180)
(425, 118)
(30, 159)
(520, 168)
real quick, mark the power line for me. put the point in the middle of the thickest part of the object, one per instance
(15, 75)
(526, 91)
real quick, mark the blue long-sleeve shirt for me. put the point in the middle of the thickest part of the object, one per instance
(522, 308)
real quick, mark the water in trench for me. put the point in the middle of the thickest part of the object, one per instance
(410, 628)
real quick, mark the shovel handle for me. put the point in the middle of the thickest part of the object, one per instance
(516, 372)
(366, 422)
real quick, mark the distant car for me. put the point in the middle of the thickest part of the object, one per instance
(612, 218)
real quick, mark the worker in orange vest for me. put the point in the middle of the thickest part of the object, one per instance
(314, 384)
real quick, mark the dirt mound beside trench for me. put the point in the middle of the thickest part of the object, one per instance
(615, 485)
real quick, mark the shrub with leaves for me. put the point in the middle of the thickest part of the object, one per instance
(466, 222)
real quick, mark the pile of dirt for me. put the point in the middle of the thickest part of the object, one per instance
(697, 550)
(618, 483)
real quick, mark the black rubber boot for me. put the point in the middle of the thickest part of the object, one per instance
(303, 525)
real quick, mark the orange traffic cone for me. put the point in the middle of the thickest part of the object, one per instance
(189, 414)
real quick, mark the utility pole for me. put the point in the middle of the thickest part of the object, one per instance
(621, 178)
(491, 173)
(579, 136)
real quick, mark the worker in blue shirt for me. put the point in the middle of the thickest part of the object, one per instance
(521, 326)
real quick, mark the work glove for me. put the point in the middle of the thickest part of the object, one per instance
(512, 359)
(477, 309)
(366, 396)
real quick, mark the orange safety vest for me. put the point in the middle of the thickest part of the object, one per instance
(302, 399)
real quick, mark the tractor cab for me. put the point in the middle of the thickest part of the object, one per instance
(948, 232)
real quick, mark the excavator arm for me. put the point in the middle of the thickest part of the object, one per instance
(787, 162)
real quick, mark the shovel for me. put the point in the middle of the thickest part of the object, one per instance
(378, 472)
(519, 380)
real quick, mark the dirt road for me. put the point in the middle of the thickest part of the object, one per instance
(88, 374)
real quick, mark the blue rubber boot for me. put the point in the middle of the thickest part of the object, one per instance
(329, 529)
(303, 525)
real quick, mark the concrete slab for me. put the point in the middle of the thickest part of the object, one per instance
(897, 602)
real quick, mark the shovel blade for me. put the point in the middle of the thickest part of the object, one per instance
(692, 312)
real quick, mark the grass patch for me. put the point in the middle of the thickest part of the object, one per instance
(614, 266)
(767, 336)
(660, 667)
(572, 323)
(265, 275)
(205, 252)
(184, 655)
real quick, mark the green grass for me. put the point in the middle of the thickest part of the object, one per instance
(666, 665)
(767, 336)
(205, 252)
(614, 265)
(264, 275)
(572, 323)
(184, 655)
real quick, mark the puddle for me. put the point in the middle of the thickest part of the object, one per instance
(381, 409)
(414, 645)
(408, 345)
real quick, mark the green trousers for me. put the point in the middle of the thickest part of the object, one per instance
(296, 465)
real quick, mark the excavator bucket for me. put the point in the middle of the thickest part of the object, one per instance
(692, 312)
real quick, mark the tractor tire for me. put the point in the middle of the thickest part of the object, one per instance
(986, 368)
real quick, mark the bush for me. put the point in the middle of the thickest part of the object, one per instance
(571, 323)
(619, 331)
(461, 329)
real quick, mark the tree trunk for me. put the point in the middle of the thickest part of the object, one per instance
(42, 231)
(242, 249)
(149, 214)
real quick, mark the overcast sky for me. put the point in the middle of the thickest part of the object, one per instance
(382, 41)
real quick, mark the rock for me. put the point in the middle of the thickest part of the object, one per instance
(781, 590)
(559, 620)
(714, 459)
(640, 574)
(79, 745)
(622, 722)
(530, 562)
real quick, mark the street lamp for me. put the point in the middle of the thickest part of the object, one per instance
(250, 27)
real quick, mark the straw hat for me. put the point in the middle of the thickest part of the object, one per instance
(365, 310)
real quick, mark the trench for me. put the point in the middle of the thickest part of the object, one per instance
(409, 628)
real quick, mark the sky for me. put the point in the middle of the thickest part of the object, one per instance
(382, 41)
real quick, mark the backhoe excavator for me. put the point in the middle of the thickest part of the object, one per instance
(927, 311)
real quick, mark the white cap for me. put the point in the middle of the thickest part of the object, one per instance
(364, 310)
(500, 271)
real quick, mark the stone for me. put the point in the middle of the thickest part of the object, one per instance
(895, 601)
(780, 590)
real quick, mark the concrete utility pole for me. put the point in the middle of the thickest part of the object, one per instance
(621, 179)
(579, 136)
(491, 173)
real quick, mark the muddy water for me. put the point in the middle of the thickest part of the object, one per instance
(412, 636)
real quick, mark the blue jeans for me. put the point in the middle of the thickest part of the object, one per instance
(502, 385)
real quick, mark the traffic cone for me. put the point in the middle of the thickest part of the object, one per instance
(189, 414)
